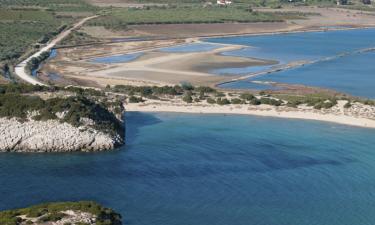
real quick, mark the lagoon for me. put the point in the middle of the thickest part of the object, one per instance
(339, 62)
(117, 58)
(247, 170)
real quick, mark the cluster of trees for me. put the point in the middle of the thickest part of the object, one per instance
(153, 92)
(52, 212)
(34, 63)
(51, 34)
(252, 101)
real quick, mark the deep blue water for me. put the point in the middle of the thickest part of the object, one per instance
(240, 170)
(117, 58)
(353, 73)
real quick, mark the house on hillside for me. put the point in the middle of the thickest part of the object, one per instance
(224, 2)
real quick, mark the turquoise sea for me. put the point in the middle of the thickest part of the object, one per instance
(211, 169)
(340, 63)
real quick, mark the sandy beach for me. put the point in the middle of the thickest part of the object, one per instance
(339, 116)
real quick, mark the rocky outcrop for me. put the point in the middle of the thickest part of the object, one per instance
(62, 213)
(53, 136)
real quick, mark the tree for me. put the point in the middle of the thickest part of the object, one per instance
(187, 98)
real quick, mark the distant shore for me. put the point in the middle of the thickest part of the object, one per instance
(266, 111)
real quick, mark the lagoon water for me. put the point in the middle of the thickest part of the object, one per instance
(117, 58)
(241, 170)
(195, 47)
(352, 73)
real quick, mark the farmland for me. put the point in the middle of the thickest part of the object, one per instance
(195, 13)
(25, 24)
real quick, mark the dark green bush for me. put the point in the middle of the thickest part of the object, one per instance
(134, 99)
(236, 101)
(222, 101)
(270, 101)
(211, 101)
(247, 96)
(187, 98)
(255, 101)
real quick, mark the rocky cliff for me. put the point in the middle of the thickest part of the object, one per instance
(53, 136)
(49, 120)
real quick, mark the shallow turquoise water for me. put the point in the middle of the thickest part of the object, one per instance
(117, 58)
(195, 47)
(177, 169)
(353, 73)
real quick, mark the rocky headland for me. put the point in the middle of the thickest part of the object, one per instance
(41, 119)
(61, 213)
(53, 136)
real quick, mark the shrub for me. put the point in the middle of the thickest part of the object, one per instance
(270, 101)
(205, 89)
(187, 98)
(247, 96)
(134, 99)
(236, 101)
(222, 101)
(220, 94)
(211, 101)
(347, 105)
(255, 101)
(187, 86)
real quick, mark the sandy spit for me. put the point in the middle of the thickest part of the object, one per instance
(267, 111)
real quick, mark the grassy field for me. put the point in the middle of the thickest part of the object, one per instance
(187, 14)
(24, 24)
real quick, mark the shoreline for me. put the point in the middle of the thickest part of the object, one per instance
(274, 112)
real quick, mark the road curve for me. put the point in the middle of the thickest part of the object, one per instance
(20, 69)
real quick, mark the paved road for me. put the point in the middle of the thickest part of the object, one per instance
(20, 69)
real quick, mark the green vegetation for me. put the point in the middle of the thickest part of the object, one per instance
(211, 101)
(148, 91)
(34, 63)
(254, 3)
(318, 101)
(190, 94)
(53, 212)
(78, 38)
(187, 97)
(134, 99)
(51, 5)
(222, 101)
(196, 13)
(25, 25)
(18, 101)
